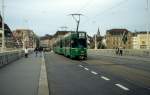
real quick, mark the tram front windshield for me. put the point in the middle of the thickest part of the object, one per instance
(78, 43)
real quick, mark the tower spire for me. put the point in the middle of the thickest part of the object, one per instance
(98, 32)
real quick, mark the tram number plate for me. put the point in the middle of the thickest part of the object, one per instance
(81, 35)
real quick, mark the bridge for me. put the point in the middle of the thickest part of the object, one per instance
(103, 73)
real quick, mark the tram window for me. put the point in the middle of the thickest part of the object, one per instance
(61, 44)
(67, 43)
(82, 43)
(78, 43)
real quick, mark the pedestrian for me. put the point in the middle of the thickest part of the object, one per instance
(36, 51)
(40, 51)
(121, 51)
(117, 51)
(26, 52)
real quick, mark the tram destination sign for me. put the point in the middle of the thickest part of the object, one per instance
(81, 35)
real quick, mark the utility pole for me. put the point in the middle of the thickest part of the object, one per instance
(3, 26)
(98, 34)
(77, 20)
(147, 9)
(23, 41)
(95, 41)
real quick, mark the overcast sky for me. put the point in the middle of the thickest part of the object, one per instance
(47, 16)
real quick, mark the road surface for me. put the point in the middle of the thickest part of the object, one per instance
(99, 75)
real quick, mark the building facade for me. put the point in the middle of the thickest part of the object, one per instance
(118, 38)
(8, 39)
(25, 38)
(45, 41)
(58, 35)
(141, 40)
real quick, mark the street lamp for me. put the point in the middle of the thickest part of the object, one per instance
(3, 26)
(95, 37)
(147, 9)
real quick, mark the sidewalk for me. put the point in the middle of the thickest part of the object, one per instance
(134, 57)
(21, 77)
(127, 57)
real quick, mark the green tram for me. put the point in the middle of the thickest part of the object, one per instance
(73, 45)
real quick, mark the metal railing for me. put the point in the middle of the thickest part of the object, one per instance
(10, 56)
(126, 52)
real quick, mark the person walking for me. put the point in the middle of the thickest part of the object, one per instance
(40, 51)
(117, 51)
(121, 51)
(36, 51)
(26, 52)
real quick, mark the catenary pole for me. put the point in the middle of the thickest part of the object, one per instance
(3, 27)
(77, 20)
(95, 41)
(147, 24)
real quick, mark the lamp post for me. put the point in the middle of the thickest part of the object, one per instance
(147, 9)
(3, 27)
(95, 36)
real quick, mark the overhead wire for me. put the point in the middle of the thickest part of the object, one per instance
(84, 6)
(101, 13)
(111, 8)
(107, 10)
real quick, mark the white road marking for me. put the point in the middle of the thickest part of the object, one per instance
(80, 65)
(105, 78)
(43, 82)
(122, 87)
(86, 69)
(93, 72)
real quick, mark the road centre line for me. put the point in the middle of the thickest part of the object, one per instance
(122, 87)
(86, 69)
(93, 72)
(43, 82)
(105, 78)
